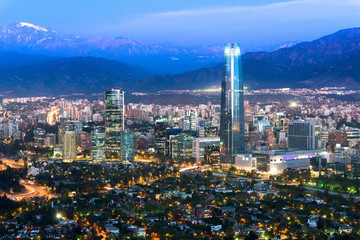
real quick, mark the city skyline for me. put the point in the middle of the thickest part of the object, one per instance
(111, 138)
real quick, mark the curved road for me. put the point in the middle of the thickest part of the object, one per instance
(31, 191)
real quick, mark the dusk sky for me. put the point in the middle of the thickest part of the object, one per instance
(252, 23)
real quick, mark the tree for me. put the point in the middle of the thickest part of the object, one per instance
(209, 174)
(85, 153)
(252, 236)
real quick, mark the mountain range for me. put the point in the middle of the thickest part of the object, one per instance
(166, 58)
(36, 60)
(28, 38)
(333, 60)
(52, 75)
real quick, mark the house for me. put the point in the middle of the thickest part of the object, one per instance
(200, 212)
(140, 232)
(215, 228)
(345, 229)
(262, 186)
(227, 209)
(312, 221)
(112, 229)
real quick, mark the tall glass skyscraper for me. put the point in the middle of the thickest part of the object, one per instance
(114, 120)
(127, 145)
(232, 119)
(98, 145)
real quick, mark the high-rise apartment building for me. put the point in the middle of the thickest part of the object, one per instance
(232, 119)
(50, 139)
(65, 124)
(39, 136)
(84, 141)
(114, 120)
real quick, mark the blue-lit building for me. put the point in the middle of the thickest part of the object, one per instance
(114, 120)
(98, 145)
(127, 145)
(232, 119)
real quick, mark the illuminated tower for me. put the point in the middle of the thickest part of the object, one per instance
(232, 120)
(114, 121)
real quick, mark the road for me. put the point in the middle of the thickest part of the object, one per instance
(53, 116)
(31, 191)
(188, 168)
(12, 163)
(3, 167)
(344, 195)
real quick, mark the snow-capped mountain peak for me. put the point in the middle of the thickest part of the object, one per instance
(30, 25)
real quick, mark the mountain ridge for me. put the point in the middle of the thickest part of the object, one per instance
(333, 61)
(165, 58)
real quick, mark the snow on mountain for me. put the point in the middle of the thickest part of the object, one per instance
(30, 25)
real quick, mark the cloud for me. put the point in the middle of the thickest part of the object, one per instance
(222, 10)
(268, 23)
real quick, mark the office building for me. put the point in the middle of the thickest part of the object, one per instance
(98, 145)
(114, 121)
(301, 136)
(160, 137)
(232, 119)
(208, 131)
(181, 145)
(170, 133)
(191, 116)
(78, 126)
(318, 166)
(200, 144)
(127, 145)
(211, 155)
(65, 124)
